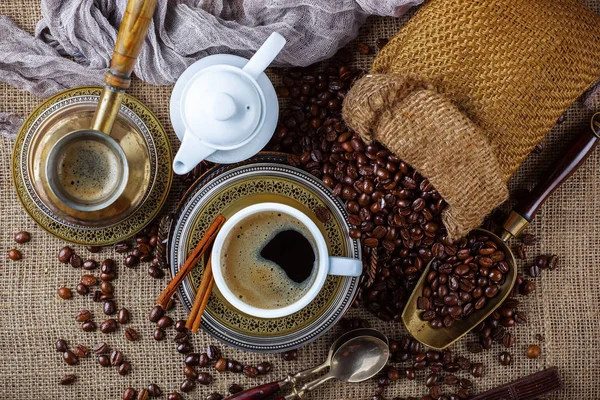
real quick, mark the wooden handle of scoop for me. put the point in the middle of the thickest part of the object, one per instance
(257, 393)
(132, 33)
(560, 170)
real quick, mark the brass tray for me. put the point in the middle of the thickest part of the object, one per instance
(227, 189)
(148, 153)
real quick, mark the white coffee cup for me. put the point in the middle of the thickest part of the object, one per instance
(327, 265)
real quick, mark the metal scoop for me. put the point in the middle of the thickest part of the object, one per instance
(523, 213)
(268, 389)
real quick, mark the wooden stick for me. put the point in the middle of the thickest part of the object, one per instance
(192, 260)
(207, 278)
(205, 299)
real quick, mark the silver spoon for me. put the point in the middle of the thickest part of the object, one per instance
(357, 360)
(268, 389)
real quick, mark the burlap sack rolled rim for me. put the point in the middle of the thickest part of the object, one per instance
(425, 129)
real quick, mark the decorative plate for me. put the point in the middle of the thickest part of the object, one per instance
(147, 149)
(227, 189)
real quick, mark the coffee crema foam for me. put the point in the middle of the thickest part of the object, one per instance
(253, 279)
(88, 170)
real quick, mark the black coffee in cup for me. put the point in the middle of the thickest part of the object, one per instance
(269, 260)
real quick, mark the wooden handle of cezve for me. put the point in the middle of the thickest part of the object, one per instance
(561, 169)
(257, 393)
(129, 42)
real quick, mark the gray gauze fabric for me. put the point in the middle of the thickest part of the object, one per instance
(182, 32)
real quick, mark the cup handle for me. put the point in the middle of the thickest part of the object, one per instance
(191, 152)
(344, 266)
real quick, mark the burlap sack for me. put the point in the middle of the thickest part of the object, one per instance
(466, 90)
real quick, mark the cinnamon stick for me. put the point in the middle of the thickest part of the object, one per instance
(203, 305)
(192, 260)
(205, 286)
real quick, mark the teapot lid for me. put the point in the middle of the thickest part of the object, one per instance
(223, 106)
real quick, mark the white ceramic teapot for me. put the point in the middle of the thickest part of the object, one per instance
(224, 108)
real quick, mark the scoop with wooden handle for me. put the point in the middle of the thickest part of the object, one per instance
(132, 33)
(576, 153)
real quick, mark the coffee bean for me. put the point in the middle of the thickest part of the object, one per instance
(234, 388)
(174, 396)
(70, 358)
(190, 372)
(100, 348)
(234, 366)
(14, 254)
(187, 385)
(122, 247)
(80, 351)
(131, 261)
(180, 326)
(108, 266)
(61, 346)
(154, 390)
(116, 358)
(68, 379)
(477, 370)
(213, 352)
(124, 368)
(204, 378)
(290, 355)
(108, 326)
(94, 249)
(155, 272)
(128, 394)
(106, 287)
(142, 395)
(264, 368)
(22, 237)
(75, 261)
(90, 265)
(164, 322)
(65, 293)
(363, 49)
(65, 254)
(88, 280)
(528, 239)
(103, 360)
(82, 289)
(159, 334)
(250, 371)
(156, 313)
(108, 277)
(109, 307)
(214, 396)
(123, 316)
(505, 358)
(184, 347)
(221, 365)
(533, 351)
(450, 379)
(410, 374)
(131, 335)
(181, 337)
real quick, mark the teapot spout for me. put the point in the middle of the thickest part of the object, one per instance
(191, 152)
(265, 55)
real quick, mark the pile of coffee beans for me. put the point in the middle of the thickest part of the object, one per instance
(150, 246)
(440, 369)
(396, 213)
(464, 275)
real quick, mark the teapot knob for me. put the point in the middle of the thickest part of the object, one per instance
(223, 107)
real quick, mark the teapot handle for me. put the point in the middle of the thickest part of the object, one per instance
(265, 55)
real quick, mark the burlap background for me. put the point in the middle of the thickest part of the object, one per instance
(564, 307)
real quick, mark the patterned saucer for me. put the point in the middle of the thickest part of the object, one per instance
(227, 189)
(144, 142)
